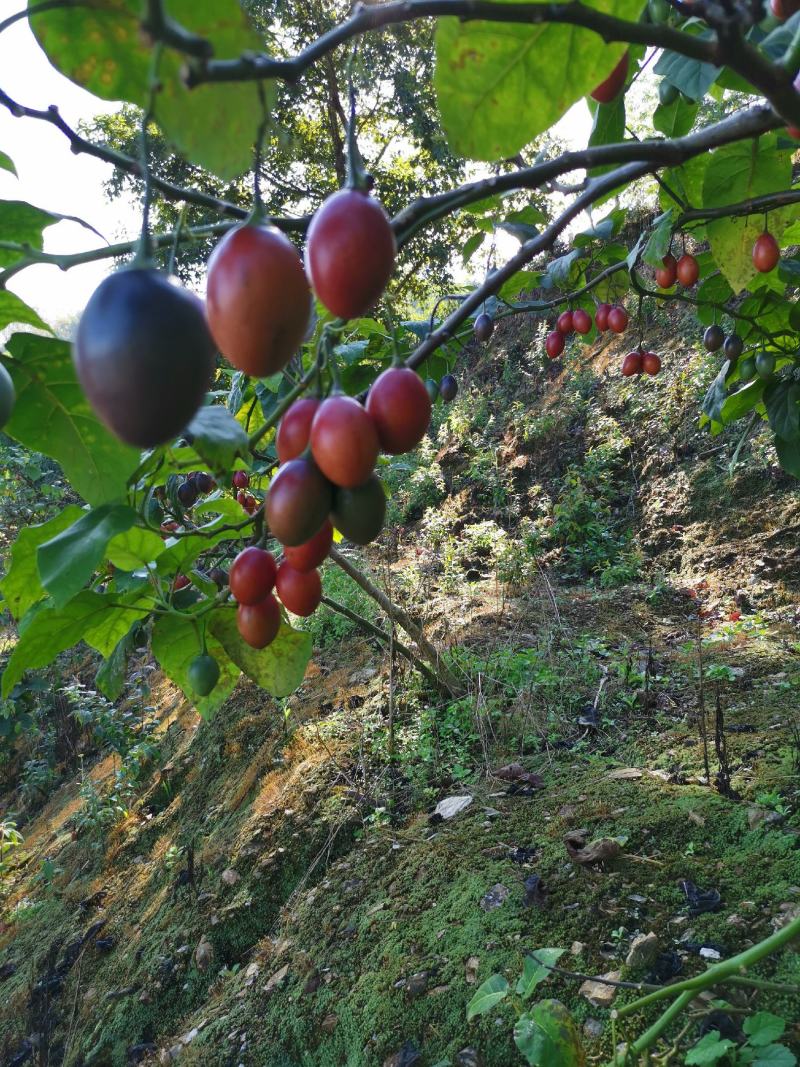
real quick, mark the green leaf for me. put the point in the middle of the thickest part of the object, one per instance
(179, 557)
(53, 416)
(711, 1049)
(23, 224)
(536, 968)
(110, 679)
(490, 993)
(782, 401)
(218, 437)
(686, 182)
(499, 86)
(692, 77)
(604, 230)
(659, 242)
(47, 630)
(279, 668)
(134, 549)
(714, 289)
(22, 587)
(742, 401)
(68, 560)
(563, 270)
(471, 246)
(738, 172)
(675, 119)
(175, 643)
(547, 1036)
(763, 1028)
(717, 394)
(14, 310)
(774, 1056)
(608, 127)
(788, 455)
(101, 48)
(6, 163)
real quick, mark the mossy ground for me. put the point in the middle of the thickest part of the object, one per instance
(558, 537)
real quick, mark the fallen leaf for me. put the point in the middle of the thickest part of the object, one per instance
(623, 773)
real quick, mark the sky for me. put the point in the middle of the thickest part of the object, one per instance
(51, 177)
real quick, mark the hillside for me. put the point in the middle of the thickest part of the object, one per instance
(610, 584)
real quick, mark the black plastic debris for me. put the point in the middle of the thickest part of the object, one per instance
(589, 717)
(535, 892)
(723, 1023)
(667, 965)
(523, 854)
(700, 901)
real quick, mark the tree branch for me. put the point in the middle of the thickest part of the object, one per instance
(403, 619)
(367, 19)
(128, 165)
(160, 27)
(668, 153)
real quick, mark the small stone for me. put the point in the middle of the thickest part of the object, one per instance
(416, 984)
(593, 1028)
(451, 806)
(469, 1057)
(251, 973)
(494, 898)
(643, 950)
(577, 948)
(204, 953)
(471, 970)
(598, 993)
(276, 978)
(329, 1023)
(189, 1037)
(230, 877)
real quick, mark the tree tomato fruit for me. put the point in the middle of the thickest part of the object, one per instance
(765, 365)
(713, 338)
(432, 388)
(581, 321)
(601, 317)
(7, 396)
(667, 273)
(747, 368)
(784, 9)
(554, 344)
(144, 355)
(609, 89)
(203, 674)
(766, 253)
(651, 363)
(399, 405)
(618, 319)
(358, 513)
(259, 623)
(219, 577)
(204, 482)
(311, 554)
(483, 328)
(181, 582)
(448, 388)
(565, 323)
(632, 364)
(298, 502)
(187, 493)
(241, 479)
(733, 346)
(350, 252)
(294, 429)
(300, 591)
(344, 441)
(258, 299)
(688, 270)
(252, 575)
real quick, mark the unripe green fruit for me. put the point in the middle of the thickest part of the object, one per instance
(433, 389)
(203, 674)
(747, 369)
(358, 513)
(765, 365)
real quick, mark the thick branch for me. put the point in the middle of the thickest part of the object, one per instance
(367, 19)
(381, 635)
(160, 27)
(755, 206)
(402, 618)
(667, 153)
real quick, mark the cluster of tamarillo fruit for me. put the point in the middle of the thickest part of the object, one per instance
(327, 450)
(612, 317)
